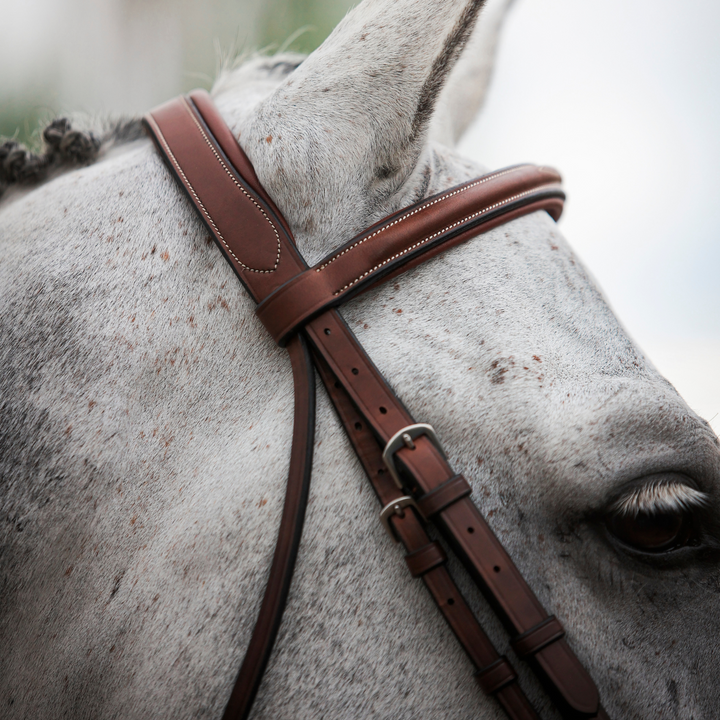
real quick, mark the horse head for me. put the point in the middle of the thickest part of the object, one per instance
(146, 419)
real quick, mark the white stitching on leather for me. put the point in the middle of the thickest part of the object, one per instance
(434, 235)
(205, 212)
(416, 210)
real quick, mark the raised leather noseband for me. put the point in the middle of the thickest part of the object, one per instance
(297, 305)
(415, 235)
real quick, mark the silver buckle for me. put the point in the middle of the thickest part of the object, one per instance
(396, 507)
(405, 438)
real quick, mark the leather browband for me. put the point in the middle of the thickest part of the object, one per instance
(210, 166)
(430, 227)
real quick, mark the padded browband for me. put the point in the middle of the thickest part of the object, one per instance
(217, 177)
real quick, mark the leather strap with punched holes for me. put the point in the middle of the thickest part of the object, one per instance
(295, 302)
(405, 525)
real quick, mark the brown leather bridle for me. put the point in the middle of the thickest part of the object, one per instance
(403, 459)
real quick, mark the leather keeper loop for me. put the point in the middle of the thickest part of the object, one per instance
(496, 676)
(444, 495)
(425, 559)
(538, 637)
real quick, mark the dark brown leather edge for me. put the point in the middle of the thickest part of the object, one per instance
(566, 680)
(552, 176)
(551, 205)
(515, 703)
(312, 291)
(496, 676)
(289, 534)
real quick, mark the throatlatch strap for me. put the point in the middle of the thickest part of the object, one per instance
(288, 542)
(217, 177)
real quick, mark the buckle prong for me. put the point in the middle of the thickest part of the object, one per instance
(396, 508)
(405, 437)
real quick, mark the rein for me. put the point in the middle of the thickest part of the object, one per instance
(403, 459)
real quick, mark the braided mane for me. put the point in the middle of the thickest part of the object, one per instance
(64, 148)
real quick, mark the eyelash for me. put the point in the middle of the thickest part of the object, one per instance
(657, 498)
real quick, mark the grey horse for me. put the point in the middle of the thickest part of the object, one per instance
(145, 422)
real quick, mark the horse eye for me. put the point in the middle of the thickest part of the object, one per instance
(651, 532)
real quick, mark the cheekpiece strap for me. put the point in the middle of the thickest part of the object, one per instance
(298, 302)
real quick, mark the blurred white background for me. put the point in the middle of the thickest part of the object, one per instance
(124, 56)
(623, 97)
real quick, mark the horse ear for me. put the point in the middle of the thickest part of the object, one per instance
(465, 91)
(366, 97)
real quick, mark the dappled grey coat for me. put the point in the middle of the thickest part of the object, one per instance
(145, 422)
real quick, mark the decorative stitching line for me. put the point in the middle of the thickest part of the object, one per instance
(434, 235)
(230, 175)
(417, 210)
